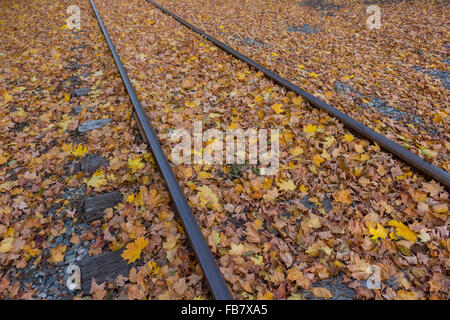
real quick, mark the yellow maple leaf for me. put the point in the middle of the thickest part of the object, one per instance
(296, 151)
(64, 124)
(190, 104)
(428, 152)
(98, 179)
(297, 101)
(401, 231)
(258, 260)
(57, 254)
(348, 137)
(79, 150)
(379, 233)
(135, 164)
(236, 249)
(303, 189)
(67, 148)
(208, 198)
(258, 100)
(7, 97)
(329, 141)
(32, 252)
(317, 159)
(6, 245)
(268, 296)
(205, 175)
(271, 195)
(133, 250)
(310, 128)
(343, 196)
(437, 118)
(287, 185)
(66, 97)
(240, 76)
(3, 159)
(277, 108)
(130, 198)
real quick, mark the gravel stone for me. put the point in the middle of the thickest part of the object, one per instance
(81, 92)
(92, 125)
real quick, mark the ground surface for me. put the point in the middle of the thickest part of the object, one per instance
(337, 206)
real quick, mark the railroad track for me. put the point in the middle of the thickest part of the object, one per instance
(211, 271)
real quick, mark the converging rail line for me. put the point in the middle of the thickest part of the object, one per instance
(210, 269)
(390, 146)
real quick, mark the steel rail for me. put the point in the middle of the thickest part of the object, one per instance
(416, 162)
(210, 269)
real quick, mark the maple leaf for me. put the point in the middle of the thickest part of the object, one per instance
(135, 164)
(401, 231)
(271, 195)
(294, 274)
(329, 141)
(296, 151)
(130, 198)
(348, 137)
(79, 151)
(321, 292)
(287, 185)
(3, 159)
(190, 104)
(32, 252)
(133, 250)
(428, 152)
(98, 179)
(6, 245)
(379, 233)
(317, 159)
(240, 76)
(97, 291)
(236, 249)
(208, 198)
(57, 254)
(297, 101)
(7, 97)
(216, 236)
(258, 260)
(277, 108)
(313, 221)
(258, 100)
(433, 188)
(205, 175)
(310, 128)
(343, 196)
